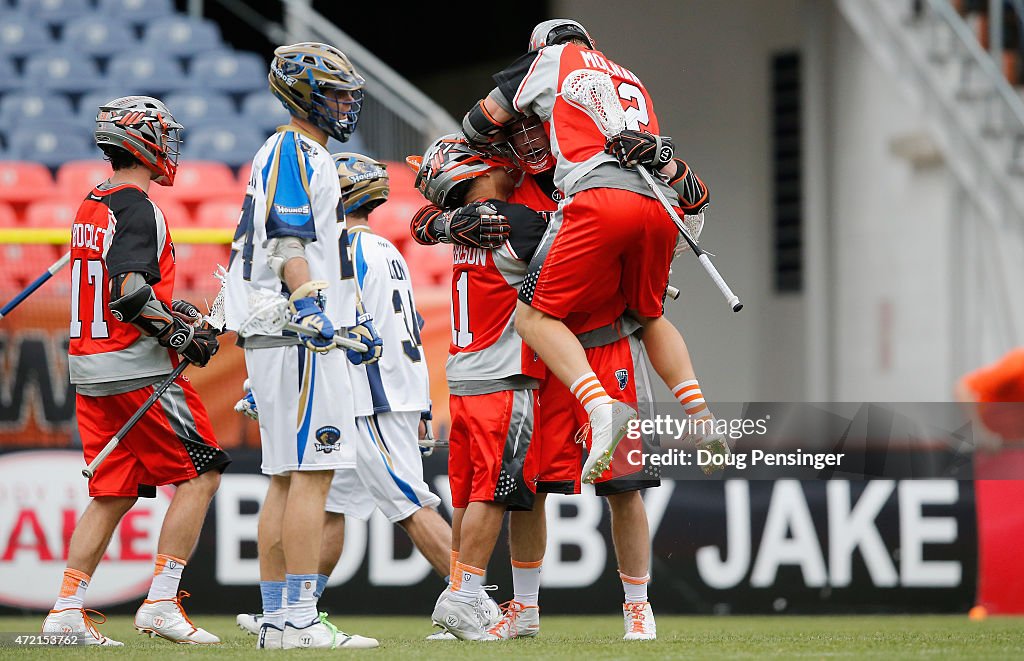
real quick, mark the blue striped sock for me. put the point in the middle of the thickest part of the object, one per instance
(321, 585)
(301, 609)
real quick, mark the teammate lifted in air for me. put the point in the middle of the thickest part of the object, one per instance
(127, 334)
(609, 236)
(289, 240)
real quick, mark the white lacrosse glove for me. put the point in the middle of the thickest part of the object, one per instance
(247, 405)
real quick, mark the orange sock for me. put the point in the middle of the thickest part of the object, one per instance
(590, 392)
(166, 577)
(467, 581)
(635, 587)
(526, 582)
(692, 399)
(72, 589)
(451, 566)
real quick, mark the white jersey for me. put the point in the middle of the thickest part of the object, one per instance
(293, 191)
(399, 380)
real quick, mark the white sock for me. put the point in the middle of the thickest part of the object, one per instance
(467, 581)
(301, 608)
(589, 391)
(72, 590)
(526, 582)
(166, 577)
(634, 587)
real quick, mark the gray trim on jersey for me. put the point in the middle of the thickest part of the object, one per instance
(511, 488)
(610, 175)
(529, 286)
(144, 357)
(117, 387)
(624, 326)
(487, 386)
(267, 341)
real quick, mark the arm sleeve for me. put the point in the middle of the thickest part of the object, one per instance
(529, 85)
(289, 209)
(527, 225)
(135, 246)
(510, 78)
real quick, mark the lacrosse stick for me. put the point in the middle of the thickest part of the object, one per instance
(213, 319)
(594, 93)
(269, 315)
(35, 284)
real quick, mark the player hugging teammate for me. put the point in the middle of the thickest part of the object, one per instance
(588, 287)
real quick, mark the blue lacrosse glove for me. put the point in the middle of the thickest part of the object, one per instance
(318, 333)
(247, 405)
(364, 332)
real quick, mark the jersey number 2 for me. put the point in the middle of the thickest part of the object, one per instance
(636, 116)
(94, 278)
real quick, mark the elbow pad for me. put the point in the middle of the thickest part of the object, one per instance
(693, 194)
(480, 127)
(137, 304)
(281, 250)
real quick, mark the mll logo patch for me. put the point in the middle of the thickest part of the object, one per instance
(328, 440)
(622, 376)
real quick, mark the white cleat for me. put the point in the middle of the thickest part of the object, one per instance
(270, 637)
(490, 611)
(441, 635)
(463, 620)
(321, 634)
(519, 621)
(76, 622)
(249, 622)
(638, 619)
(165, 618)
(608, 425)
(716, 445)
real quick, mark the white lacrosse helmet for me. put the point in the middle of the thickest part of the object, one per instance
(557, 31)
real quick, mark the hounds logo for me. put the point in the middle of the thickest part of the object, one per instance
(622, 376)
(328, 440)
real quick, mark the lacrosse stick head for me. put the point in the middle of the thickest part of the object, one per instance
(694, 225)
(593, 92)
(216, 317)
(268, 314)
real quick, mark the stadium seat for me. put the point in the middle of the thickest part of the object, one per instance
(263, 111)
(29, 104)
(178, 35)
(193, 108)
(50, 143)
(22, 182)
(218, 214)
(429, 265)
(9, 79)
(391, 219)
(21, 34)
(146, 72)
(77, 178)
(228, 71)
(97, 35)
(25, 262)
(199, 181)
(195, 264)
(229, 144)
(7, 216)
(137, 12)
(63, 71)
(55, 11)
(52, 213)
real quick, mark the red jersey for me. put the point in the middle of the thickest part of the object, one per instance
(532, 85)
(117, 229)
(539, 193)
(485, 286)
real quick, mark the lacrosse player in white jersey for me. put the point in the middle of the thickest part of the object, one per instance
(288, 240)
(392, 396)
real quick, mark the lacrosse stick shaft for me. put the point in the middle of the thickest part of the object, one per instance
(35, 284)
(716, 277)
(340, 340)
(112, 444)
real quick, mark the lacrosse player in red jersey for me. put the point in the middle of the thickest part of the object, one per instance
(610, 234)
(127, 334)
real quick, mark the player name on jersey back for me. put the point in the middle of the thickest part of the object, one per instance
(469, 256)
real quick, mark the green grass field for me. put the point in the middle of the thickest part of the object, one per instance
(782, 637)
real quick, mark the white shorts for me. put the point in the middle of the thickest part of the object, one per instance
(389, 472)
(305, 404)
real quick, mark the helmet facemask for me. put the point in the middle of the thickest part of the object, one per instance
(529, 147)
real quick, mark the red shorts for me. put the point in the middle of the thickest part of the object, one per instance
(489, 453)
(608, 242)
(173, 442)
(560, 416)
